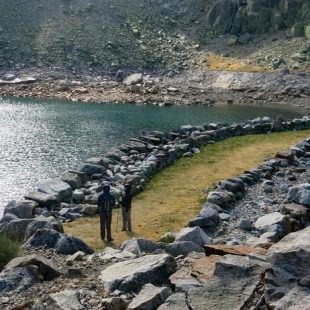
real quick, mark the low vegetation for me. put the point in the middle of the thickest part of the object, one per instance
(176, 194)
(8, 250)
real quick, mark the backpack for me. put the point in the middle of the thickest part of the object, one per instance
(106, 203)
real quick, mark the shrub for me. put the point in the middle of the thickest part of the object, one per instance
(168, 237)
(8, 250)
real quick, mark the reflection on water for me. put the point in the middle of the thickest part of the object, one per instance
(41, 139)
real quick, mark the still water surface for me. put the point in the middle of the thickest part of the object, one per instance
(40, 139)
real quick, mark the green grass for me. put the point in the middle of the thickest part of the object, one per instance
(176, 194)
(8, 250)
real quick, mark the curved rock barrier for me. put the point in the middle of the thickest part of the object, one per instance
(247, 248)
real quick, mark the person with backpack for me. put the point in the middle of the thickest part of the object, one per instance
(106, 202)
(126, 208)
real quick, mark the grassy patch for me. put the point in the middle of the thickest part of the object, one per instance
(216, 62)
(176, 193)
(8, 250)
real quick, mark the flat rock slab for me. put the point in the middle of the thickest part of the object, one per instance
(66, 300)
(150, 297)
(233, 249)
(203, 268)
(131, 275)
(288, 273)
(57, 188)
(271, 219)
(182, 280)
(234, 281)
(175, 302)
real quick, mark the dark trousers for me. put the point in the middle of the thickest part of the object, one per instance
(105, 226)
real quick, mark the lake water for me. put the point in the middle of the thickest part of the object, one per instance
(40, 139)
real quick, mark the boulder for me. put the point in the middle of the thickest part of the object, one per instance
(15, 229)
(268, 222)
(66, 300)
(208, 217)
(195, 235)
(72, 179)
(297, 212)
(61, 243)
(139, 245)
(43, 222)
(300, 194)
(77, 196)
(24, 209)
(234, 281)
(89, 210)
(150, 297)
(114, 303)
(91, 169)
(110, 254)
(287, 276)
(19, 279)
(176, 301)
(178, 248)
(222, 198)
(44, 200)
(133, 79)
(57, 188)
(46, 269)
(183, 280)
(131, 275)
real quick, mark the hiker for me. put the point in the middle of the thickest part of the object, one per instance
(126, 208)
(106, 202)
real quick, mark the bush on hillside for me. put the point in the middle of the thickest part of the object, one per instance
(168, 237)
(8, 250)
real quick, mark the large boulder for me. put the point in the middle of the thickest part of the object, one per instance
(46, 269)
(272, 222)
(60, 189)
(207, 217)
(195, 235)
(181, 248)
(176, 301)
(150, 297)
(72, 179)
(61, 243)
(138, 246)
(300, 194)
(66, 300)
(133, 79)
(43, 222)
(234, 281)
(288, 273)
(131, 275)
(44, 200)
(15, 229)
(24, 209)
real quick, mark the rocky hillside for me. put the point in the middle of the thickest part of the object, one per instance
(110, 34)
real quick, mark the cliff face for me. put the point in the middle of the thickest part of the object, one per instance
(139, 33)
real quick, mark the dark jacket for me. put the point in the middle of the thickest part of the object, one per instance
(106, 202)
(126, 201)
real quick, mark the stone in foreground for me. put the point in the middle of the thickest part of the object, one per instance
(175, 302)
(131, 275)
(195, 235)
(241, 250)
(288, 273)
(234, 281)
(150, 297)
(66, 300)
(300, 194)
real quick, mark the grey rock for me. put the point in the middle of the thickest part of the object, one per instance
(287, 276)
(15, 229)
(24, 209)
(131, 275)
(72, 179)
(224, 216)
(178, 248)
(150, 297)
(46, 269)
(300, 194)
(110, 254)
(89, 210)
(221, 198)
(183, 281)
(66, 300)
(43, 222)
(61, 243)
(268, 222)
(245, 224)
(234, 281)
(77, 196)
(93, 169)
(207, 217)
(138, 245)
(18, 279)
(133, 79)
(176, 301)
(57, 188)
(195, 235)
(8, 217)
(43, 199)
(114, 303)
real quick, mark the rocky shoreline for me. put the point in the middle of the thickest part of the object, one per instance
(243, 217)
(164, 89)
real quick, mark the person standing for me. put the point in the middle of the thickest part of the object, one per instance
(126, 208)
(106, 203)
